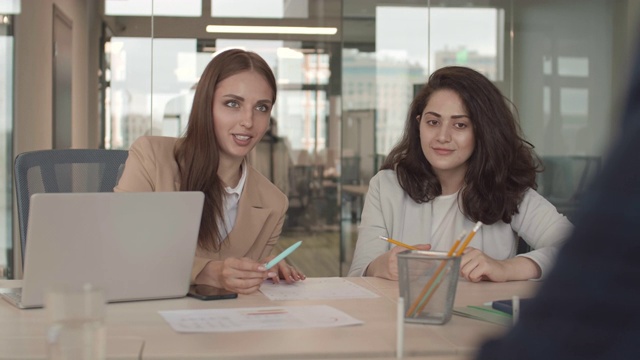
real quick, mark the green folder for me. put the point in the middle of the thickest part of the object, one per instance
(484, 313)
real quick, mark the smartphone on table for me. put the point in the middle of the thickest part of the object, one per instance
(206, 292)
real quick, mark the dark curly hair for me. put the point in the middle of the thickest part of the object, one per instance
(500, 170)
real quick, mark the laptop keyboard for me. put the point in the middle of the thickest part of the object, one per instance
(14, 294)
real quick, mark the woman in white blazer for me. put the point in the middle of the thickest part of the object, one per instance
(461, 159)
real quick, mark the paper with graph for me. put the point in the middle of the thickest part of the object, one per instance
(258, 318)
(316, 289)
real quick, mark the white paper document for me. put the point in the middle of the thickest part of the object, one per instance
(316, 289)
(258, 318)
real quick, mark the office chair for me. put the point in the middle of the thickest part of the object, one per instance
(67, 170)
(565, 180)
(350, 175)
(299, 194)
(350, 170)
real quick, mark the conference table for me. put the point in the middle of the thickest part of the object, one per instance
(135, 330)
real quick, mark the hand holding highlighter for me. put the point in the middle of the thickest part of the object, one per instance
(282, 255)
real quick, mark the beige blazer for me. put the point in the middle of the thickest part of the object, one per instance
(151, 166)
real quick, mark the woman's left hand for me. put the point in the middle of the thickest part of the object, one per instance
(286, 272)
(477, 266)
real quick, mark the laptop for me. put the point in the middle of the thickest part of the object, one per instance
(135, 246)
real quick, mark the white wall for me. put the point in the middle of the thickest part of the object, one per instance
(33, 73)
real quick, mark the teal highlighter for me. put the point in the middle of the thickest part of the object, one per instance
(282, 255)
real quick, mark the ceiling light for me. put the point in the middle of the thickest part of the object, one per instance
(299, 30)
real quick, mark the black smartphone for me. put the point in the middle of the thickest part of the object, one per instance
(206, 292)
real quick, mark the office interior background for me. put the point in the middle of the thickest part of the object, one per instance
(100, 73)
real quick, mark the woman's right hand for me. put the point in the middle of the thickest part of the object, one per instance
(386, 265)
(240, 275)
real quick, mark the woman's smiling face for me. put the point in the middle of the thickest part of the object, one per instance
(242, 106)
(446, 134)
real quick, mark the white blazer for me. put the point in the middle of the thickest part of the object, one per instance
(390, 212)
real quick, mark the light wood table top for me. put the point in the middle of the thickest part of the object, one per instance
(129, 324)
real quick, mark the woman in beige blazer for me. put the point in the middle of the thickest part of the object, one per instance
(243, 212)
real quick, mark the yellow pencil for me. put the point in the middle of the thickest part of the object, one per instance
(469, 237)
(396, 242)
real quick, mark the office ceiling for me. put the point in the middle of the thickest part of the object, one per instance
(355, 20)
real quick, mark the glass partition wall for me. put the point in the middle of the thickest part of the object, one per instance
(556, 61)
(6, 152)
(343, 99)
(7, 12)
(154, 60)
(343, 96)
(385, 64)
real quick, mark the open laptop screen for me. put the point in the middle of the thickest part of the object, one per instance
(135, 246)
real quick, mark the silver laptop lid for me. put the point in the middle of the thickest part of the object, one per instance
(135, 246)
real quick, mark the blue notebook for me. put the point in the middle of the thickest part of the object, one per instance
(506, 306)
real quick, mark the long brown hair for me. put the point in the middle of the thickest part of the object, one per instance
(500, 170)
(198, 154)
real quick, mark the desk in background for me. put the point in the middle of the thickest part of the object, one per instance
(358, 190)
(132, 323)
(354, 196)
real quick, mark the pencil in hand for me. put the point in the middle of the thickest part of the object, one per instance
(399, 243)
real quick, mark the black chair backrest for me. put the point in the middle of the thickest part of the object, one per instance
(350, 170)
(65, 170)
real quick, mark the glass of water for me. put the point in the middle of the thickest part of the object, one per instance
(76, 323)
